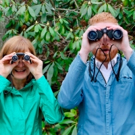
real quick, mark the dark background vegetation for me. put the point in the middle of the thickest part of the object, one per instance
(55, 28)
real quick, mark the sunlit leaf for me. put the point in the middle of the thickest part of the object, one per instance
(50, 72)
(101, 9)
(111, 9)
(67, 131)
(89, 11)
(74, 132)
(43, 32)
(84, 12)
(21, 10)
(67, 121)
(31, 11)
(46, 68)
(48, 36)
(52, 32)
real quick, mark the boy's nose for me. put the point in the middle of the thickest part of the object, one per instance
(105, 39)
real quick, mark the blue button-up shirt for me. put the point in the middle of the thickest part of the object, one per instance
(104, 108)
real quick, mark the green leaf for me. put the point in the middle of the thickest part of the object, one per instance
(105, 7)
(36, 28)
(101, 9)
(43, 32)
(63, 56)
(97, 3)
(21, 10)
(37, 9)
(74, 132)
(14, 8)
(35, 1)
(26, 16)
(111, 10)
(68, 36)
(7, 2)
(46, 68)
(43, 18)
(89, 11)
(48, 36)
(84, 12)
(62, 30)
(83, 7)
(43, 124)
(50, 72)
(48, 7)
(59, 66)
(29, 28)
(67, 121)
(0, 13)
(43, 9)
(66, 22)
(69, 114)
(9, 12)
(52, 32)
(67, 131)
(31, 11)
(61, 20)
(134, 15)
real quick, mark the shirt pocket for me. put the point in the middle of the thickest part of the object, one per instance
(126, 78)
(125, 85)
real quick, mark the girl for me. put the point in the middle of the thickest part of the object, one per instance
(25, 94)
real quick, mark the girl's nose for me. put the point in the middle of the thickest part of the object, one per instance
(20, 63)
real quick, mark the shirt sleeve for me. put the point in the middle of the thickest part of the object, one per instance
(48, 103)
(4, 82)
(71, 93)
(131, 62)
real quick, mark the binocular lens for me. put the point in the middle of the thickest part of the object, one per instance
(14, 58)
(92, 35)
(27, 57)
(117, 34)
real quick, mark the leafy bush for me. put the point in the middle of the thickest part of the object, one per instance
(55, 29)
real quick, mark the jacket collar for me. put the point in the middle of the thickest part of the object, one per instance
(13, 90)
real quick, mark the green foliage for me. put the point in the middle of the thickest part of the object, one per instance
(55, 29)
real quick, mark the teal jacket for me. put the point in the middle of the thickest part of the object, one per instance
(21, 111)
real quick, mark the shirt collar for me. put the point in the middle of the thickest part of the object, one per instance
(114, 61)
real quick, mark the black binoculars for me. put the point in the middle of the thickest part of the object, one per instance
(25, 57)
(112, 34)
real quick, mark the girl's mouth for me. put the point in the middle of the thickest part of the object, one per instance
(20, 70)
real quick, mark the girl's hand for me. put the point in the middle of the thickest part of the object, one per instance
(35, 66)
(5, 65)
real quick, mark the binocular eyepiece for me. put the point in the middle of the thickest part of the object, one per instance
(25, 57)
(112, 34)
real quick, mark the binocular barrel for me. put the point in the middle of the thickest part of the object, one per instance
(25, 57)
(112, 34)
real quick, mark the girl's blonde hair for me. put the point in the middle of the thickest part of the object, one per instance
(17, 44)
